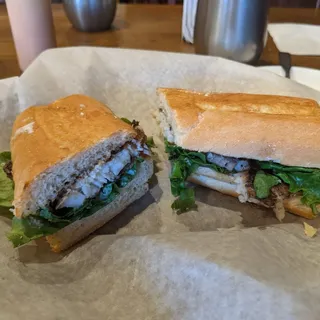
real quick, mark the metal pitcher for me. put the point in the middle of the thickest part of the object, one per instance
(233, 29)
(90, 15)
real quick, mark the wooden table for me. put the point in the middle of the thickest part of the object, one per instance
(152, 27)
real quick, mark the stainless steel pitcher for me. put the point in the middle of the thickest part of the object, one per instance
(90, 15)
(233, 29)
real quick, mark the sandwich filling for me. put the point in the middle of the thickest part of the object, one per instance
(84, 196)
(105, 172)
(264, 182)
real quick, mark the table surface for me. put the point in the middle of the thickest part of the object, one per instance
(151, 27)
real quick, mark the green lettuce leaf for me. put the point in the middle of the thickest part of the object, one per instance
(268, 165)
(45, 222)
(30, 228)
(299, 179)
(308, 183)
(263, 183)
(185, 201)
(184, 163)
(5, 157)
(6, 184)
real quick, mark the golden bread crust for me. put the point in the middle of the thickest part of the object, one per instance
(261, 127)
(43, 136)
(294, 205)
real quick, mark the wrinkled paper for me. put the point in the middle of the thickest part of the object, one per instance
(148, 263)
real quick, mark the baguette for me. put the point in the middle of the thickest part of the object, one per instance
(64, 136)
(261, 127)
(64, 155)
(243, 128)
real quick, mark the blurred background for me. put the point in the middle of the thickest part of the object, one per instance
(273, 3)
(161, 25)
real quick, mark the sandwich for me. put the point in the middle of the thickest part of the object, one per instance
(75, 165)
(262, 149)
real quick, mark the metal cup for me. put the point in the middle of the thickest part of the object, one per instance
(233, 29)
(90, 15)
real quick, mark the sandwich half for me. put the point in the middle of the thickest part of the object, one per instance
(259, 148)
(75, 166)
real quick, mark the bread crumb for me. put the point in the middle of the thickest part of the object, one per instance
(82, 105)
(81, 114)
(309, 231)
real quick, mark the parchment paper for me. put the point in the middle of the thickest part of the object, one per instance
(296, 38)
(149, 263)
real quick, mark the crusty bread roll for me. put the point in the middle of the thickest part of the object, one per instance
(261, 127)
(67, 136)
(53, 146)
(247, 126)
